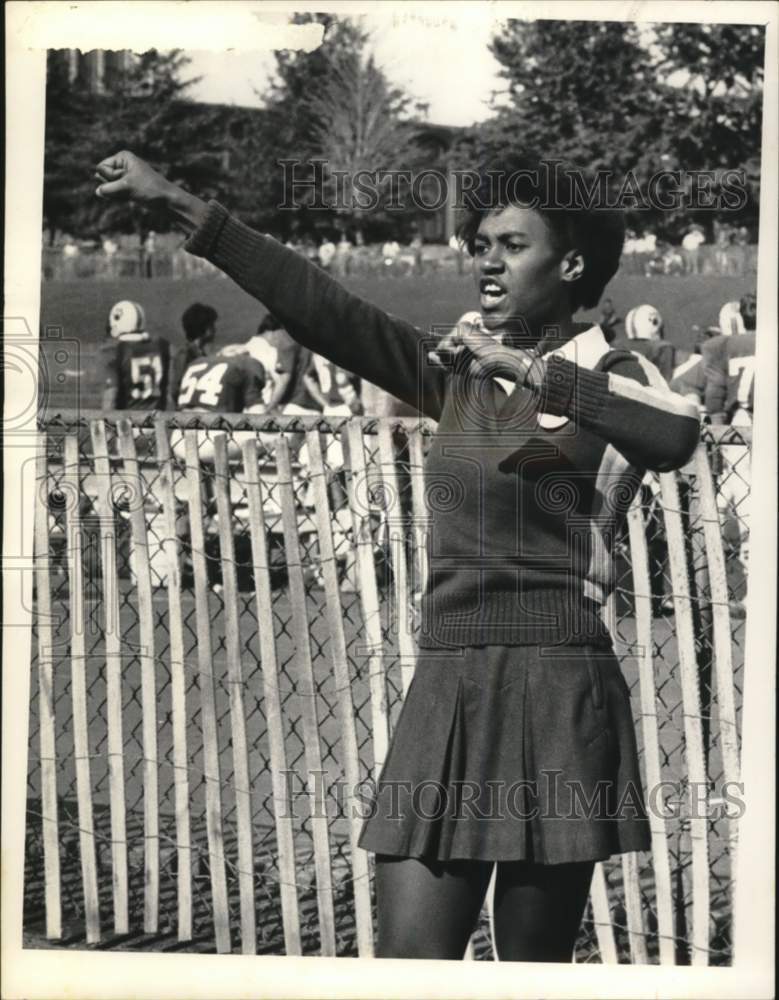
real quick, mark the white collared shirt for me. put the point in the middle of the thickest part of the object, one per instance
(585, 349)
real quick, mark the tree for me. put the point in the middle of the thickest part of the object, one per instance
(336, 106)
(578, 90)
(144, 109)
(608, 97)
(713, 103)
(359, 127)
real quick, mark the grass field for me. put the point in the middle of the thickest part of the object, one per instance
(79, 308)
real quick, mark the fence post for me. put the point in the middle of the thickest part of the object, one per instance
(601, 916)
(140, 543)
(340, 662)
(629, 862)
(677, 555)
(416, 463)
(113, 656)
(397, 549)
(722, 636)
(170, 546)
(369, 594)
(242, 788)
(47, 725)
(78, 659)
(211, 770)
(661, 861)
(307, 692)
(283, 805)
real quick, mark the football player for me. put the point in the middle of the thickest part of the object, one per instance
(644, 335)
(730, 366)
(137, 365)
(224, 383)
(199, 324)
(287, 388)
(216, 381)
(729, 370)
(688, 378)
(333, 388)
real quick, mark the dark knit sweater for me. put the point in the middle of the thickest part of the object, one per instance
(525, 489)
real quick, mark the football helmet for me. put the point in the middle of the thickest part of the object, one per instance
(126, 317)
(644, 323)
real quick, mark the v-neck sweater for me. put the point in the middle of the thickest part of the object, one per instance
(526, 491)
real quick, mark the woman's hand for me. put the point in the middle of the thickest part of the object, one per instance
(126, 177)
(467, 347)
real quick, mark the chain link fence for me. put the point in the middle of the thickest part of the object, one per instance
(106, 780)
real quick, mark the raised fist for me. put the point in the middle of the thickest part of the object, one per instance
(126, 176)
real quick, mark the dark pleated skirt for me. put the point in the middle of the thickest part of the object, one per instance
(505, 753)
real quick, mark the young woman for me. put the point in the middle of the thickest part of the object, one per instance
(515, 745)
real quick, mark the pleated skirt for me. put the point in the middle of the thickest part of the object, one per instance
(505, 753)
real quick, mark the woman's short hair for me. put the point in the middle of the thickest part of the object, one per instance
(568, 200)
(197, 319)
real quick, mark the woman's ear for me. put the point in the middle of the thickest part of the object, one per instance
(572, 266)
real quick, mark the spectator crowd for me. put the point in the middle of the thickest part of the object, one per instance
(730, 251)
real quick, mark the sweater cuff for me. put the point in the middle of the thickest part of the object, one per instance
(568, 390)
(205, 236)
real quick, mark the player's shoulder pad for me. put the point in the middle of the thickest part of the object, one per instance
(621, 361)
(635, 366)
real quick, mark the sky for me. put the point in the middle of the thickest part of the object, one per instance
(441, 59)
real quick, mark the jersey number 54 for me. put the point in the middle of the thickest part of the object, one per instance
(206, 385)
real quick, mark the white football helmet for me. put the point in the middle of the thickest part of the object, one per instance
(644, 323)
(730, 319)
(126, 317)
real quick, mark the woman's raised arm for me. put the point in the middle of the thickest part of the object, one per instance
(316, 310)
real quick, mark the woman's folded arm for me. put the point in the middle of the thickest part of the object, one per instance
(628, 404)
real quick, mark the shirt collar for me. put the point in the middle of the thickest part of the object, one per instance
(585, 349)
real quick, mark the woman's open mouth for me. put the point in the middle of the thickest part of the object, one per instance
(491, 293)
